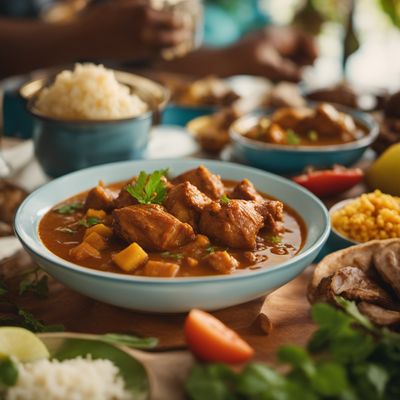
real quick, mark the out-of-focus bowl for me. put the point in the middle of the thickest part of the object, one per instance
(63, 146)
(171, 294)
(293, 159)
(176, 114)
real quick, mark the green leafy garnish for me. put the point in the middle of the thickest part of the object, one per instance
(8, 372)
(224, 199)
(28, 321)
(274, 239)
(130, 340)
(149, 189)
(34, 283)
(313, 136)
(347, 358)
(71, 208)
(88, 222)
(292, 137)
(175, 256)
(210, 249)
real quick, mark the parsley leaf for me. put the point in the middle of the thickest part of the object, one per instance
(28, 321)
(88, 222)
(224, 199)
(292, 137)
(67, 209)
(211, 249)
(175, 256)
(274, 239)
(32, 283)
(149, 189)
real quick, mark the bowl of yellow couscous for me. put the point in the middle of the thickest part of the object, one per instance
(371, 216)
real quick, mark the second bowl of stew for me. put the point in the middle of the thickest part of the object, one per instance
(292, 138)
(171, 235)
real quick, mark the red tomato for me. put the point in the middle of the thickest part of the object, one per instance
(210, 340)
(330, 182)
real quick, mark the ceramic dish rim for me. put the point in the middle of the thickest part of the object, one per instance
(337, 206)
(42, 252)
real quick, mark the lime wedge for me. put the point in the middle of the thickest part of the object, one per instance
(22, 344)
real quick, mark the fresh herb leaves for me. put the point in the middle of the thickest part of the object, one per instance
(88, 222)
(224, 199)
(28, 321)
(35, 284)
(175, 256)
(149, 189)
(274, 239)
(71, 208)
(8, 372)
(348, 358)
(210, 249)
(292, 137)
(130, 340)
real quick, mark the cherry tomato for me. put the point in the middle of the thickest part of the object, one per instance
(330, 182)
(210, 340)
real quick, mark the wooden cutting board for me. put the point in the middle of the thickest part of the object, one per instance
(287, 309)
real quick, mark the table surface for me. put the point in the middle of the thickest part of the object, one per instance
(287, 309)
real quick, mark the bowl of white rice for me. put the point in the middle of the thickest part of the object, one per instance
(91, 115)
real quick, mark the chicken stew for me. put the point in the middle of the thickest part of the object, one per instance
(192, 225)
(303, 126)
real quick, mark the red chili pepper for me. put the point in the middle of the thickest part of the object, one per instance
(330, 182)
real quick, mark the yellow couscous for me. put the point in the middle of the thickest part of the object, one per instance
(371, 216)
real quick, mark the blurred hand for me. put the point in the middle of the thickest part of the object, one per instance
(276, 53)
(130, 29)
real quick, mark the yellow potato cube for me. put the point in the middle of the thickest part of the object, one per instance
(101, 229)
(92, 213)
(161, 269)
(130, 258)
(97, 241)
(84, 251)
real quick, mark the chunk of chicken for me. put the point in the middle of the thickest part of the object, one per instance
(208, 183)
(272, 212)
(124, 199)
(222, 262)
(100, 198)
(185, 202)
(245, 190)
(387, 263)
(235, 224)
(151, 227)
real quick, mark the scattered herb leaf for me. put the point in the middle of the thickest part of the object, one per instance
(8, 372)
(210, 249)
(71, 208)
(130, 341)
(292, 137)
(88, 222)
(175, 256)
(313, 136)
(149, 189)
(224, 199)
(28, 321)
(274, 239)
(35, 284)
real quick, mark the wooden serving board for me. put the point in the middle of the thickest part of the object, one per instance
(287, 310)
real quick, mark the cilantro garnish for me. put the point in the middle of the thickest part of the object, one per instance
(175, 256)
(149, 189)
(292, 137)
(274, 239)
(313, 136)
(88, 222)
(33, 282)
(71, 208)
(224, 199)
(210, 249)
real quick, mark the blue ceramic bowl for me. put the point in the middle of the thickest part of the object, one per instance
(63, 146)
(175, 114)
(293, 159)
(171, 294)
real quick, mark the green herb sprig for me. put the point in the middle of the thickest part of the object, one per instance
(348, 358)
(175, 256)
(224, 199)
(313, 136)
(34, 282)
(71, 208)
(292, 137)
(149, 189)
(88, 222)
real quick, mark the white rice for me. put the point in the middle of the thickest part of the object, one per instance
(89, 92)
(75, 379)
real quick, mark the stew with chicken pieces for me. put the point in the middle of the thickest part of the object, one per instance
(192, 225)
(303, 126)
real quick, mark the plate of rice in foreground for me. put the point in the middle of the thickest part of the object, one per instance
(67, 366)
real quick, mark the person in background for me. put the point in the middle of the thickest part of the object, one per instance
(115, 30)
(238, 39)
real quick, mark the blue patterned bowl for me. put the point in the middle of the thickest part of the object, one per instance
(293, 159)
(171, 294)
